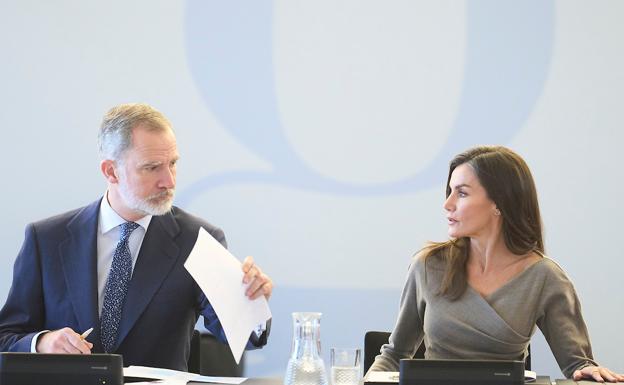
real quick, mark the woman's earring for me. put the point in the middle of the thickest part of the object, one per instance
(496, 212)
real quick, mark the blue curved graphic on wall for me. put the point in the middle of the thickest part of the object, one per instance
(230, 55)
(229, 47)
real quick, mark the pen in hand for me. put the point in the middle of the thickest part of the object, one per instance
(83, 338)
(86, 334)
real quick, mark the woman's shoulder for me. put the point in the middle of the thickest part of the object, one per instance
(551, 271)
(428, 259)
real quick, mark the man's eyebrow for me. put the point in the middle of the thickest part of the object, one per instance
(151, 163)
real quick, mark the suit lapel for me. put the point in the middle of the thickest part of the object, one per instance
(79, 260)
(157, 257)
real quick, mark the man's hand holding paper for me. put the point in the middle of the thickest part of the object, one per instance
(237, 292)
(259, 283)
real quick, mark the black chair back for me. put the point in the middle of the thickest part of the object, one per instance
(209, 357)
(194, 364)
(372, 346)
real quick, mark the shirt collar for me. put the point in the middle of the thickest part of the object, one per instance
(109, 219)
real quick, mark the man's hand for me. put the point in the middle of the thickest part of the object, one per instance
(259, 283)
(63, 341)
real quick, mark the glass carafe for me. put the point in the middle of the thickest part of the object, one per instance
(306, 366)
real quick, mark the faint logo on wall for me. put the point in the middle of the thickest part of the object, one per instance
(230, 54)
(230, 49)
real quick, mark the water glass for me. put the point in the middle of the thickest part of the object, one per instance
(345, 366)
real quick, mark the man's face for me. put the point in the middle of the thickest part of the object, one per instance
(147, 174)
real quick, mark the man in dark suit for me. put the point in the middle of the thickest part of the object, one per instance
(116, 265)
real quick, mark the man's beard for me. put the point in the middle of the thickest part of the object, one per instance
(155, 204)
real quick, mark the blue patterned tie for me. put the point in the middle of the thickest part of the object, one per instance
(116, 288)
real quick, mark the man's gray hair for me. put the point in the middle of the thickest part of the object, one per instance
(115, 135)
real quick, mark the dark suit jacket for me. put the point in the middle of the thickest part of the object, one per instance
(55, 285)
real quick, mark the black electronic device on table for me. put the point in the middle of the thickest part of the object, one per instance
(460, 372)
(60, 369)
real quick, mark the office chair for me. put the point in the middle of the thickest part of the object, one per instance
(373, 341)
(194, 356)
(372, 344)
(209, 357)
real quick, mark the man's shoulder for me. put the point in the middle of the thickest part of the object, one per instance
(190, 222)
(59, 221)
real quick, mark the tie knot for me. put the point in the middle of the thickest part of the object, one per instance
(127, 228)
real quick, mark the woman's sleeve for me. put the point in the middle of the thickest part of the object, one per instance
(408, 331)
(562, 324)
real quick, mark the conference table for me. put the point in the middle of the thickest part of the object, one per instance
(541, 380)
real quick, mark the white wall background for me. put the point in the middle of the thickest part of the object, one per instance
(317, 134)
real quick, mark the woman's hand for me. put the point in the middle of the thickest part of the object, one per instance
(597, 373)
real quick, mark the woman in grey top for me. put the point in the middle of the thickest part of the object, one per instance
(481, 294)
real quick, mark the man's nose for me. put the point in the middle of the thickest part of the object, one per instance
(168, 179)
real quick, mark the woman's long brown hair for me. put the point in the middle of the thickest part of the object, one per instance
(508, 182)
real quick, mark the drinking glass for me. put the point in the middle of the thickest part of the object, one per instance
(345, 366)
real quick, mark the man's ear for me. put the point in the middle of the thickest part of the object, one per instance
(109, 169)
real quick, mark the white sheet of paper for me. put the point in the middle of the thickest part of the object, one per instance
(175, 376)
(161, 382)
(529, 376)
(218, 273)
(389, 377)
(168, 381)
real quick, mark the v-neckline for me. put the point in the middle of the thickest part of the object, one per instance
(509, 282)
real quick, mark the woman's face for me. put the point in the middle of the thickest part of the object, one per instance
(470, 212)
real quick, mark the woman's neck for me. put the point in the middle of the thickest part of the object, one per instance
(491, 254)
